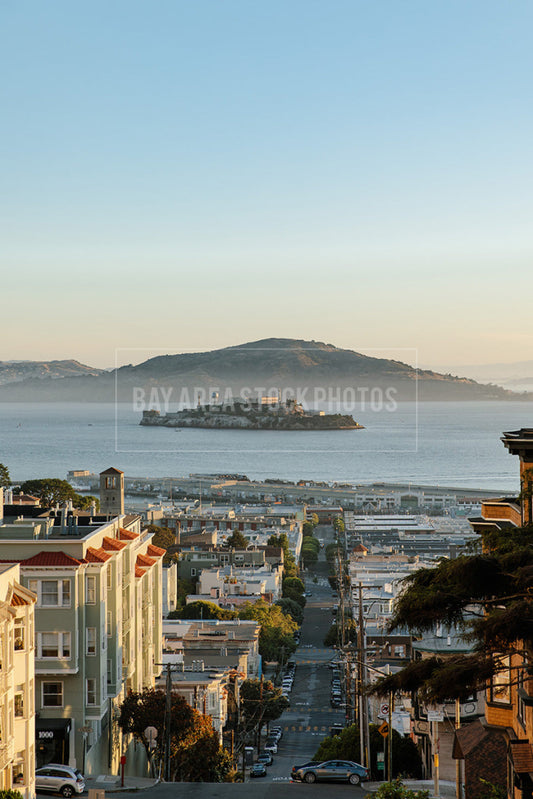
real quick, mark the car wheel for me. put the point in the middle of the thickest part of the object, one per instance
(310, 777)
(355, 779)
(67, 791)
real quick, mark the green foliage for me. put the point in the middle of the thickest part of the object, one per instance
(499, 582)
(493, 791)
(5, 480)
(397, 790)
(163, 537)
(333, 635)
(196, 755)
(308, 528)
(11, 794)
(202, 610)
(292, 608)
(84, 502)
(237, 540)
(52, 491)
(338, 524)
(289, 564)
(261, 702)
(406, 759)
(293, 588)
(314, 519)
(276, 640)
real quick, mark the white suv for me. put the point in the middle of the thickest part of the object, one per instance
(58, 778)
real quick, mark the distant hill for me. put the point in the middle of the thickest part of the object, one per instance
(17, 371)
(517, 375)
(270, 363)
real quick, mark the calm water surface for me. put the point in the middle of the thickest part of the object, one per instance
(444, 443)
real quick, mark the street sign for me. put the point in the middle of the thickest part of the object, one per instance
(383, 729)
(383, 710)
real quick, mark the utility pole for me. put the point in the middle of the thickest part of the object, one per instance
(168, 706)
(389, 738)
(458, 770)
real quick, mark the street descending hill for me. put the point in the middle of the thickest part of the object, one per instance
(266, 365)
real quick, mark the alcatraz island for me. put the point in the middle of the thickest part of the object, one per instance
(263, 413)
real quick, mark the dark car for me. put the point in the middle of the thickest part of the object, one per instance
(332, 771)
(258, 770)
(265, 758)
(305, 765)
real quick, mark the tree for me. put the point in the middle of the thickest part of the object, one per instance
(237, 540)
(260, 704)
(202, 610)
(195, 752)
(338, 524)
(163, 537)
(314, 519)
(405, 756)
(308, 528)
(293, 588)
(291, 608)
(488, 596)
(276, 639)
(333, 635)
(5, 480)
(84, 502)
(289, 564)
(53, 491)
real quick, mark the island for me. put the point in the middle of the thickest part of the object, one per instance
(264, 413)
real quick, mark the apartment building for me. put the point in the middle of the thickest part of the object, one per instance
(98, 633)
(17, 683)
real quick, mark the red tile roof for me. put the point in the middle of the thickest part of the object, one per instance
(112, 470)
(17, 599)
(139, 572)
(112, 544)
(99, 555)
(51, 559)
(156, 552)
(144, 560)
(127, 534)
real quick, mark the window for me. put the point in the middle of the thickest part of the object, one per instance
(91, 640)
(52, 694)
(90, 589)
(193, 572)
(109, 671)
(53, 645)
(19, 705)
(109, 627)
(500, 686)
(91, 691)
(51, 593)
(19, 635)
(109, 580)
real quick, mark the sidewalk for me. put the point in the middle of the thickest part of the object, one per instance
(446, 788)
(110, 783)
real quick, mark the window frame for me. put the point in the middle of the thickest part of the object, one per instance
(60, 694)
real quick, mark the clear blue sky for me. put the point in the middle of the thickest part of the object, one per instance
(188, 174)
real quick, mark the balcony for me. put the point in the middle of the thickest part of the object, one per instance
(504, 509)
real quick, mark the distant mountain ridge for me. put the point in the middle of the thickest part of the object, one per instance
(268, 364)
(17, 371)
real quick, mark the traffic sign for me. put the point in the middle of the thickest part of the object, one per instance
(383, 710)
(383, 729)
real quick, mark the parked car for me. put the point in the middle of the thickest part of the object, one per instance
(332, 771)
(272, 747)
(258, 770)
(58, 778)
(265, 758)
(309, 764)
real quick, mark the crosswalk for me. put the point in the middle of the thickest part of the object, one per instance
(306, 728)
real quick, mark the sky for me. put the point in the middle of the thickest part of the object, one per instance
(188, 175)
